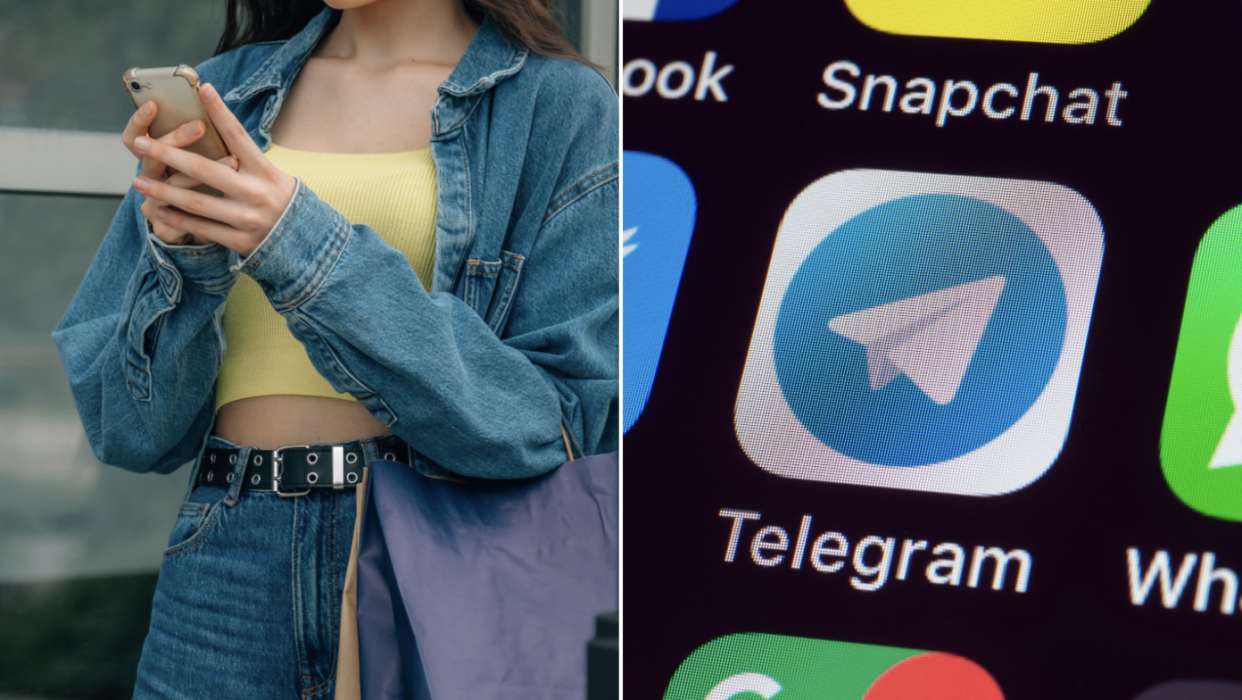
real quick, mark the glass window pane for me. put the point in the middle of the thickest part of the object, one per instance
(62, 513)
(80, 542)
(63, 59)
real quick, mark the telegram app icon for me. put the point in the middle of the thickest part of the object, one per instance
(921, 331)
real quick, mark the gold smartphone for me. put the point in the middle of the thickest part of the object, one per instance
(175, 92)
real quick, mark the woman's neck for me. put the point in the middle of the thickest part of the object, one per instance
(389, 32)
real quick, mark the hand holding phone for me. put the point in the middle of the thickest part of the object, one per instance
(168, 109)
(174, 91)
(255, 193)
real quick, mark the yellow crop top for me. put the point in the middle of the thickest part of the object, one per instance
(393, 193)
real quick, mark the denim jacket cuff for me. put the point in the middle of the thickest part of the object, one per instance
(299, 251)
(208, 267)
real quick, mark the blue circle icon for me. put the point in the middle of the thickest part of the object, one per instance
(920, 330)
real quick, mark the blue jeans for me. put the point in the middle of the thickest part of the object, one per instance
(248, 603)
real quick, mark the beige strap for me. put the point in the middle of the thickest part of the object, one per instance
(568, 451)
(348, 673)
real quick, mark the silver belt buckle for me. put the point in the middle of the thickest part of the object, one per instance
(278, 467)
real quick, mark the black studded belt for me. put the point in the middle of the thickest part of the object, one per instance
(293, 470)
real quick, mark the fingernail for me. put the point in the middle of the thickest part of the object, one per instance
(162, 213)
(147, 109)
(142, 183)
(141, 143)
(196, 127)
(207, 91)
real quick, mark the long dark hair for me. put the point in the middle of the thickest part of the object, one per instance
(528, 24)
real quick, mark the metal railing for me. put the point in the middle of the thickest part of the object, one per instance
(50, 161)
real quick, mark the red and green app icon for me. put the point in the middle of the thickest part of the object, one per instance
(775, 667)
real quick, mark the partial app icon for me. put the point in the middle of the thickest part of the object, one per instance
(657, 222)
(1043, 21)
(774, 667)
(921, 331)
(1194, 690)
(672, 10)
(1201, 441)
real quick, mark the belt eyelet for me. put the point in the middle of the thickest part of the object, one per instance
(312, 477)
(312, 458)
(255, 479)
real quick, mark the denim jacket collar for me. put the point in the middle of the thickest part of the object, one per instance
(277, 72)
(489, 60)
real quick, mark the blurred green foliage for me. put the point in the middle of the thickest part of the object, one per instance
(63, 59)
(74, 639)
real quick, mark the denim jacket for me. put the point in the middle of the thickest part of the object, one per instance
(517, 336)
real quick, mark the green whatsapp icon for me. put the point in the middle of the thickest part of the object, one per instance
(1201, 440)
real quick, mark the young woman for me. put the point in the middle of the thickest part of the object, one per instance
(414, 258)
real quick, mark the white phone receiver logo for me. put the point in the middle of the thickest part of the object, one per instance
(734, 686)
(1229, 451)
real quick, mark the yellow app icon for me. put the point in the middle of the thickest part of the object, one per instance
(1044, 21)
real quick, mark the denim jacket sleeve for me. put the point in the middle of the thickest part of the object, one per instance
(468, 401)
(141, 344)
(142, 341)
(477, 376)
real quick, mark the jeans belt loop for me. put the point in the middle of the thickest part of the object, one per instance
(239, 473)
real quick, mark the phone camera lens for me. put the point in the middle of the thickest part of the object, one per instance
(135, 86)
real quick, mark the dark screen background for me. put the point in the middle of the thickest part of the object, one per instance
(1158, 182)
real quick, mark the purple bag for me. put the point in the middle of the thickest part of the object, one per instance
(486, 590)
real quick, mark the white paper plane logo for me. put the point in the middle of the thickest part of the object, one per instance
(930, 338)
(626, 246)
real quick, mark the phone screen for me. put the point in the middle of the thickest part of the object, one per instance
(932, 352)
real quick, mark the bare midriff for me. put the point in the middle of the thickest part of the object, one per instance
(387, 110)
(268, 422)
